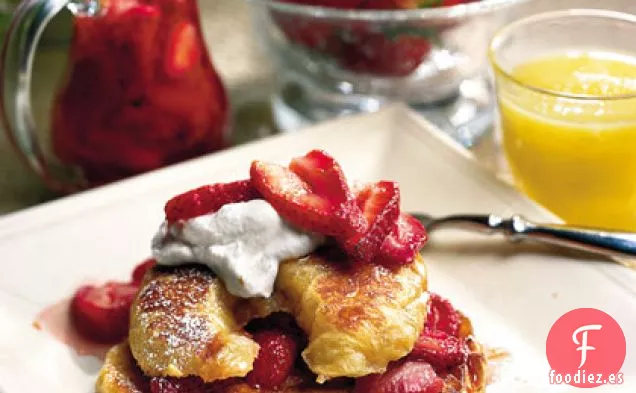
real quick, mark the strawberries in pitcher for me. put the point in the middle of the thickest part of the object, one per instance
(183, 49)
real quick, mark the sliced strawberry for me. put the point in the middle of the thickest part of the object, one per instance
(325, 177)
(142, 10)
(402, 377)
(101, 313)
(442, 316)
(295, 201)
(208, 199)
(407, 237)
(439, 349)
(276, 356)
(122, 6)
(141, 269)
(380, 204)
(183, 49)
(323, 174)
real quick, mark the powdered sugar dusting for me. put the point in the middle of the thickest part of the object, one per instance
(181, 325)
(163, 305)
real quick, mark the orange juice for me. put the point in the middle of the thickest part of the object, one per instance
(571, 141)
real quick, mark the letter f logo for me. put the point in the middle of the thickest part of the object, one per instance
(583, 343)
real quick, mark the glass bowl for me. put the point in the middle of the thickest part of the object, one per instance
(332, 62)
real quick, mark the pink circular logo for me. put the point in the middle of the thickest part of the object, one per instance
(586, 348)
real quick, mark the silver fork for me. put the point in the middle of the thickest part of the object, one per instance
(613, 244)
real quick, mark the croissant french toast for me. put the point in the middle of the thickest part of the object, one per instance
(183, 323)
(291, 282)
(120, 374)
(357, 319)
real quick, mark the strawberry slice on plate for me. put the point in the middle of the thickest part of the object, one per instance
(380, 204)
(208, 199)
(276, 356)
(300, 204)
(101, 313)
(402, 377)
(407, 237)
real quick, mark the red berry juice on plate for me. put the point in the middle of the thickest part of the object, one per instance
(141, 91)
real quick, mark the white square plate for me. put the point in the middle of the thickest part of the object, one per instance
(512, 294)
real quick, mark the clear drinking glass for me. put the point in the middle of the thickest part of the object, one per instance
(566, 87)
(333, 62)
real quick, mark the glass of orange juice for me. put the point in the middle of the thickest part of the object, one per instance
(566, 91)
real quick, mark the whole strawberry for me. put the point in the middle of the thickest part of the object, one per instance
(101, 313)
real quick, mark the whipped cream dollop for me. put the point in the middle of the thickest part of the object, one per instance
(242, 243)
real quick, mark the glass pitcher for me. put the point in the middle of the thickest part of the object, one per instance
(140, 93)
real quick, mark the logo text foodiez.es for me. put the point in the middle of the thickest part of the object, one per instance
(586, 348)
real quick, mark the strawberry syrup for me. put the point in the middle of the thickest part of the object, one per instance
(141, 91)
(55, 320)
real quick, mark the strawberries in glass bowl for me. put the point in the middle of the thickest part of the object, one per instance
(387, 50)
(337, 57)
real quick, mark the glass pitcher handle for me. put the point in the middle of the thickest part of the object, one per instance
(16, 63)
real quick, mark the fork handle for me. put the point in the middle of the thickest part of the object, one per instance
(600, 241)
